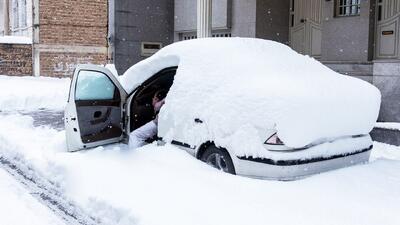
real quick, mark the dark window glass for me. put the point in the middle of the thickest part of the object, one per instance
(379, 12)
(347, 7)
(292, 20)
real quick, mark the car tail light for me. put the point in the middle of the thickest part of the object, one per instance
(274, 140)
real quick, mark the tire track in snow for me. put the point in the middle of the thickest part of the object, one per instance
(47, 193)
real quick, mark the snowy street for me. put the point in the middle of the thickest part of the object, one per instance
(18, 206)
(156, 185)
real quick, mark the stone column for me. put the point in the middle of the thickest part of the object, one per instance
(204, 19)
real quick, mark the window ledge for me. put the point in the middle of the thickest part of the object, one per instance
(346, 16)
(15, 40)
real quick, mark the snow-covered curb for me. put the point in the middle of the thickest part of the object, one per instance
(388, 125)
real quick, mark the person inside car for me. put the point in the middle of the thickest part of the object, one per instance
(138, 137)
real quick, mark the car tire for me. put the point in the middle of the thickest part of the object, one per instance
(218, 158)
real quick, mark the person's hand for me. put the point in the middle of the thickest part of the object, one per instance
(158, 105)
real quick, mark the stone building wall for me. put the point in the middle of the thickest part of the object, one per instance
(347, 38)
(138, 22)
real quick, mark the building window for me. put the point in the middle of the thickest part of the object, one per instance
(16, 18)
(222, 34)
(380, 7)
(347, 7)
(292, 13)
(149, 48)
(192, 35)
(22, 12)
(18, 15)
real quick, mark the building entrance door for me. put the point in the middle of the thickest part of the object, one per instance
(387, 29)
(305, 26)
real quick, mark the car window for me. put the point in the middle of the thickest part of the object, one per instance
(94, 85)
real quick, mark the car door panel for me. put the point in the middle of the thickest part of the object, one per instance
(99, 122)
(94, 113)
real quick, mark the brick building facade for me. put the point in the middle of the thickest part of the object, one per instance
(70, 32)
(16, 59)
(63, 33)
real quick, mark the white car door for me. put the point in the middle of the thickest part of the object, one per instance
(94, 113)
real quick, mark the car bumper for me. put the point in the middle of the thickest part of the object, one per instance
(291, 169)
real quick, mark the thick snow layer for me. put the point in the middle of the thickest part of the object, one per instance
(112, 69)
(165, 185)
(32, 93)
(15, 40)
(241, 87)
(18, 207)
(386, 152)
(43, 149)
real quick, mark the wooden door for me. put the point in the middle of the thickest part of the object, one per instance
(387, 29)
(305, 26)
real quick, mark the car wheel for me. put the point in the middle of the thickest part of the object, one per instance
(218, 158)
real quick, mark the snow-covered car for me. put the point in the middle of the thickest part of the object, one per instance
(245, 106)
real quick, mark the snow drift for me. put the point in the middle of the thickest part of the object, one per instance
(241, 87)
(33, 93)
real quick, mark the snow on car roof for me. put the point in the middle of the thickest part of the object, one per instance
(241, 87)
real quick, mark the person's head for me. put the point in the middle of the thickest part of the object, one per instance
(159, 95)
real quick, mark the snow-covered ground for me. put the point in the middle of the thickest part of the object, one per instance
(164, 185)
(32, 93)
(19, 207)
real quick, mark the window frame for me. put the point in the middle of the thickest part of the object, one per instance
(18, 13)
(345, 5)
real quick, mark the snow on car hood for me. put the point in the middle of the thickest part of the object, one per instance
(242, 87)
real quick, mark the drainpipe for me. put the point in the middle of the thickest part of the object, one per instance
(7, 17)
(204, 18)
(35, 38)
(111, 32)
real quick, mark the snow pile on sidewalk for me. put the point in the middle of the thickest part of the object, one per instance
(385, 151)
(240, 87)
(32, 93)
(17, 206)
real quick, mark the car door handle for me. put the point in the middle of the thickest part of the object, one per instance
(197, 120)
(100, 119)
(97, 114)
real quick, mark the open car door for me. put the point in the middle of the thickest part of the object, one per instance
(94, 114)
